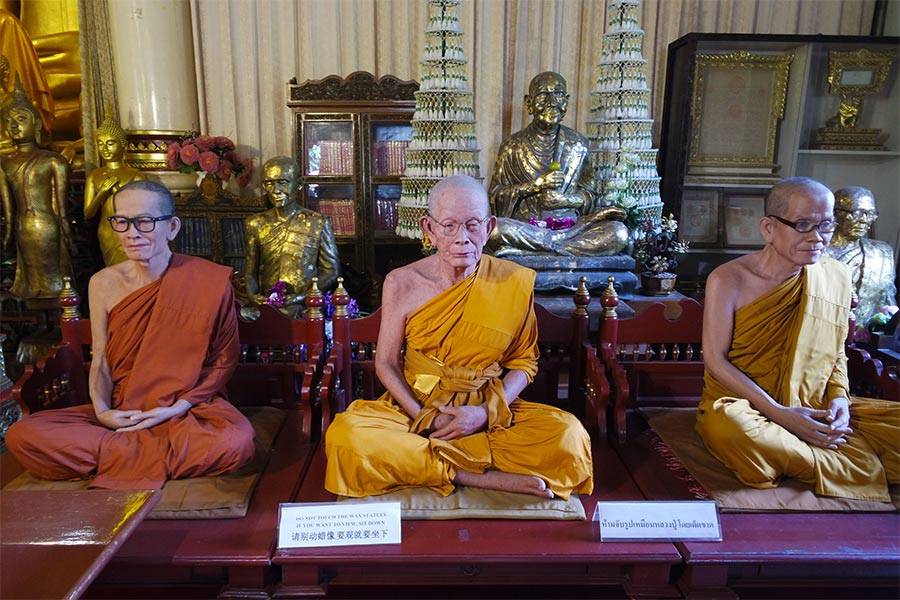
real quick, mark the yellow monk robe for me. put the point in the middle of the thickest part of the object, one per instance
(173, 338)
(791, 343)
(457, 346)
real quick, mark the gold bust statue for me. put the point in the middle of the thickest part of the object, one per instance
(871, 261)
(544, 171)
(34, 186)
(103, 183)
(288, 242)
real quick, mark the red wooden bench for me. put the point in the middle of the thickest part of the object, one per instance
(279, 366)
(479, 555)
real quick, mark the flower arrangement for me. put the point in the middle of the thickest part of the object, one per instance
(620, 192)
(208, 154)
(277, 293)
(552, 223)
(655, 252)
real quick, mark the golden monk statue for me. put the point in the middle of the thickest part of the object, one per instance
(288, 242)
(35, 182)
(544, 171)
(871, 261)
(103, 183)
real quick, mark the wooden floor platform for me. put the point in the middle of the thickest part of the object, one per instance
(464, 555)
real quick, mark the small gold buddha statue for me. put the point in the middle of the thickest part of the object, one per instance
(103, 183)
(544, 172)
(287, 242)
(871, 261)
(33, 192)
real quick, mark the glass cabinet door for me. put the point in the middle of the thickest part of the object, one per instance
(389, 143)
(384, 207)
(328, 148)
(336, 201)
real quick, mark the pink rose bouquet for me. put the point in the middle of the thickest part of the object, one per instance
(210, 155)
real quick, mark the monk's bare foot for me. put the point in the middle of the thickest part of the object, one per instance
(505, 482)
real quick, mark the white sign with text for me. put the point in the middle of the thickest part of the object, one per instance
(691, 520)
(308, 525)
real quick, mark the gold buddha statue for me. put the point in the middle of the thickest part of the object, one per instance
(33, 191)
(871, 261)
(103, 183)
(287, 242)
(544, 171)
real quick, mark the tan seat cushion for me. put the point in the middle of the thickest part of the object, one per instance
(476, 503)
(221, 497)
(676, 428)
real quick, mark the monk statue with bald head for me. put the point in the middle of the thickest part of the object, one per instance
(871, 261)
(543, 172)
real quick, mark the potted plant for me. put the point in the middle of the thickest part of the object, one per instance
(655, 253)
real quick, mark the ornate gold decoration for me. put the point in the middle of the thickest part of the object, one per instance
(314, 301)
(147, 149)
(341, 299)
(609, 299)
(852, 75)
(733, 92)
(69, 301)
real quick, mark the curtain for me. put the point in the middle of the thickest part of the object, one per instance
(248, 50)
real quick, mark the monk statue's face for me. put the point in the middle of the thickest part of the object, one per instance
(856, 216)
(20, 124)
(459, 227)
(280, 184)
(110, 147)
(547, 100)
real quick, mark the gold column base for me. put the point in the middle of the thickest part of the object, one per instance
(147, 150)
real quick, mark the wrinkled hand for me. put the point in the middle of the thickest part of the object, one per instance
(839, 415)
(812, 426)
(116, 419)
(456, 422)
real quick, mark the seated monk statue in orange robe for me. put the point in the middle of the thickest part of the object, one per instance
(165, 343)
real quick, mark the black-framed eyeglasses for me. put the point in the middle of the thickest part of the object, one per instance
(142, 224)
(860, 213)
(807, 226)
(451, 228)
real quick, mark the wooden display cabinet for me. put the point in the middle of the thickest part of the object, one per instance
(350, 137)
(719, 152)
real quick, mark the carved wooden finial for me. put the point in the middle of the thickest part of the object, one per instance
(610, 299)
(69, 300)
(341, 299)
(582, 297)
(314, 301)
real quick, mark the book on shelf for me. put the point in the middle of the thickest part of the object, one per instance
(390, 157)
(343, 215)
(336, 157)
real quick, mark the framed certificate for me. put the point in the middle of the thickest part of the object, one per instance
(742, 215)
(699, 222)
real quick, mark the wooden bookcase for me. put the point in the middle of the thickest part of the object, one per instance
(349, 138)
(709, 206)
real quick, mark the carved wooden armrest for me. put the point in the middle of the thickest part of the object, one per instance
(616, 373)
(57, 380)
(597, 390)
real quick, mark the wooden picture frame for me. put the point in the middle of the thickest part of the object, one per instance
(742, 213)
(738, 99)
(699, 219)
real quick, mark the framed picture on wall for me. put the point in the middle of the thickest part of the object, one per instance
(699, 221)
(742, 215)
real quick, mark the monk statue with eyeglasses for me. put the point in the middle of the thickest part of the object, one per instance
(871, 261)
(776, 401)
(544, 172)
(457, 344)
(164, 344)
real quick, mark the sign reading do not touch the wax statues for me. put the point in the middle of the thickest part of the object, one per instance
(658, 521)
(307, 525)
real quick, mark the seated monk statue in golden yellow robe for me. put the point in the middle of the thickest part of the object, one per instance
(457, 344)
(776, 399)
(164, 344)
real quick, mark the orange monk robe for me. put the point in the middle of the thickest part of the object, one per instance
(457, 346)
(175, 338)
(791, 343)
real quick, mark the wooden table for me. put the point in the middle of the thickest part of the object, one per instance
(54, 543)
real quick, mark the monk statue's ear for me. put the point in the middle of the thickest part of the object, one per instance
(767, 228)
(174, 228)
